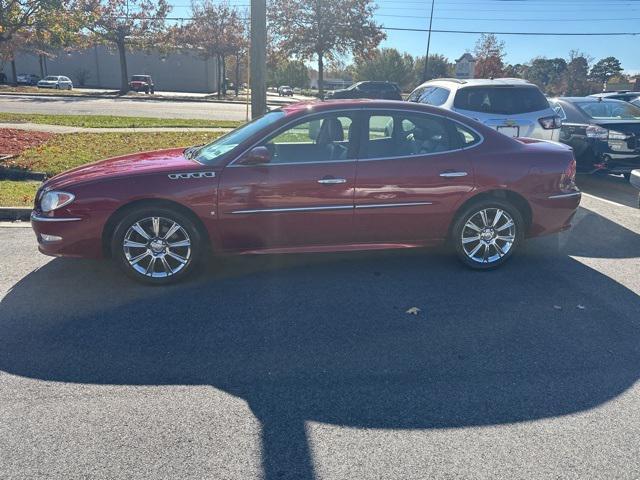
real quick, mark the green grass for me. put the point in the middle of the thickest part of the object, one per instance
(17, 194)
(67, 151)
(106, 121)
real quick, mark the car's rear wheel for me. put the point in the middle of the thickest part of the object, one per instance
(156, 245)
(486, 233)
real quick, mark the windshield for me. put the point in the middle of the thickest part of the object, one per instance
(139, 78)
(501, 100)
(215, 150)
(610, 110)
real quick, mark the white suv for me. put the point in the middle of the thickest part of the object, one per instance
(512, 106)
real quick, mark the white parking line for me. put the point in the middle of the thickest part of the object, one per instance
(604, 200)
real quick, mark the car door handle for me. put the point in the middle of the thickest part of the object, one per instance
(452, 174)
(332, 181)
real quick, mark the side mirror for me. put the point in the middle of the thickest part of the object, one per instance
(256, 156)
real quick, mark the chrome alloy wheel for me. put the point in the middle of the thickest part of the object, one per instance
(488, 235)
(157, 247)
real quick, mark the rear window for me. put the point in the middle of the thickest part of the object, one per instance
(501, 100)
(610, 110)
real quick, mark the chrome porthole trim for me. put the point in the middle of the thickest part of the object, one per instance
(157, 247)
(188, 175)
(488, 235)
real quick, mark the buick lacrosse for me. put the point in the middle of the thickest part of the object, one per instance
(314, 177)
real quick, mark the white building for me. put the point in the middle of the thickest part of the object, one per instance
(465, 66)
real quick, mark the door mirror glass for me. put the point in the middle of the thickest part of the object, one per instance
(257, 156)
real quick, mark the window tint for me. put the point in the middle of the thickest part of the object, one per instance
(403, 135)
(435, 96)
(501, 100)
(322, 139)
(466, 136)
(610, 110)
(558, 109)
(416, 94)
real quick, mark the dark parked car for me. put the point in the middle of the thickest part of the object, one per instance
(604, 134)
(142, 83)
(287, 183)
(381, 90)
(27, 79)
(625, 95)
(285, 91)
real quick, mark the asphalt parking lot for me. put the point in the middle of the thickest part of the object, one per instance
(300, 367)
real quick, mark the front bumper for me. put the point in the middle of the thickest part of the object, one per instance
(67, 236)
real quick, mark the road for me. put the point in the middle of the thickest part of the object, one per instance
(301, 367)
(123, 106)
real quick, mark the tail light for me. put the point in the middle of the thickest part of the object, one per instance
(568, 178)
(594, 131)
(550, 123)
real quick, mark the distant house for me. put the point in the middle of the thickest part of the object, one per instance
(329, 83)
(465, 66)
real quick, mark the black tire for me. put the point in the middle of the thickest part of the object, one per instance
(495, 259)
(142, 216)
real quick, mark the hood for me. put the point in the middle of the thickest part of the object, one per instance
(134, 164)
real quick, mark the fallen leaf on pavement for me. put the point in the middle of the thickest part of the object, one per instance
(413, 311)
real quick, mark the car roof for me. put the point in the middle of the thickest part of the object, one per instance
(588, 99)
(478, 82)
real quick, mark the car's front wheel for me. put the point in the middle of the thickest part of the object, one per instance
(156, 245)
(486, 233)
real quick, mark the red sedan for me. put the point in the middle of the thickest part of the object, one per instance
(314, 177)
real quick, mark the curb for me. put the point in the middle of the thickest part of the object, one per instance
(142, 99)
(14, 213)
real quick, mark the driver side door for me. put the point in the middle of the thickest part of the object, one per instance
(301, 196)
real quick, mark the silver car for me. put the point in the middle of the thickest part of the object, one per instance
(56, 81)
(511, 106)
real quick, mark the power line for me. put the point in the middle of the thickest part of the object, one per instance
(478, 32)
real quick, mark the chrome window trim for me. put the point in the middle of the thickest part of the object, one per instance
(365, 110)
(565, 195)
(39, 218)
(331, 207)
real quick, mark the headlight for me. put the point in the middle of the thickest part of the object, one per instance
(54, 200)
(613, 135)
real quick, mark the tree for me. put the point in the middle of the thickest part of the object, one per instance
(489, 53)
(577, 75)
(517, 70)
(291, 72)
(548, 74)
(386, 64)
(323, 30)
(16, 18)
(438, 67)
(126, 23)
(216, 31)
(605, 69)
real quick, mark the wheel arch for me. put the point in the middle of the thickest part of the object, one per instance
(515, 198)
(123, 210)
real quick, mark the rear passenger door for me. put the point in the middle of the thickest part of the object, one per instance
(411, 174)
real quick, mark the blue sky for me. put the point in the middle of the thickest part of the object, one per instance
(570, 16)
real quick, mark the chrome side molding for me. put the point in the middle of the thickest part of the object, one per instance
(565, 195)
(331, 207)
(39, 218)
(453, 174)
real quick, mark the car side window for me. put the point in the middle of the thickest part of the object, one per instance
(416, 94)
(405, 135)
(467, 137)
(438, 96)
(558, 109)
(322, 139)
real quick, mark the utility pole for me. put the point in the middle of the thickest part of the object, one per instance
(258, 56)
(426, 58)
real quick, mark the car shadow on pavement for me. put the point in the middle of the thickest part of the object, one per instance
(325, 338)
